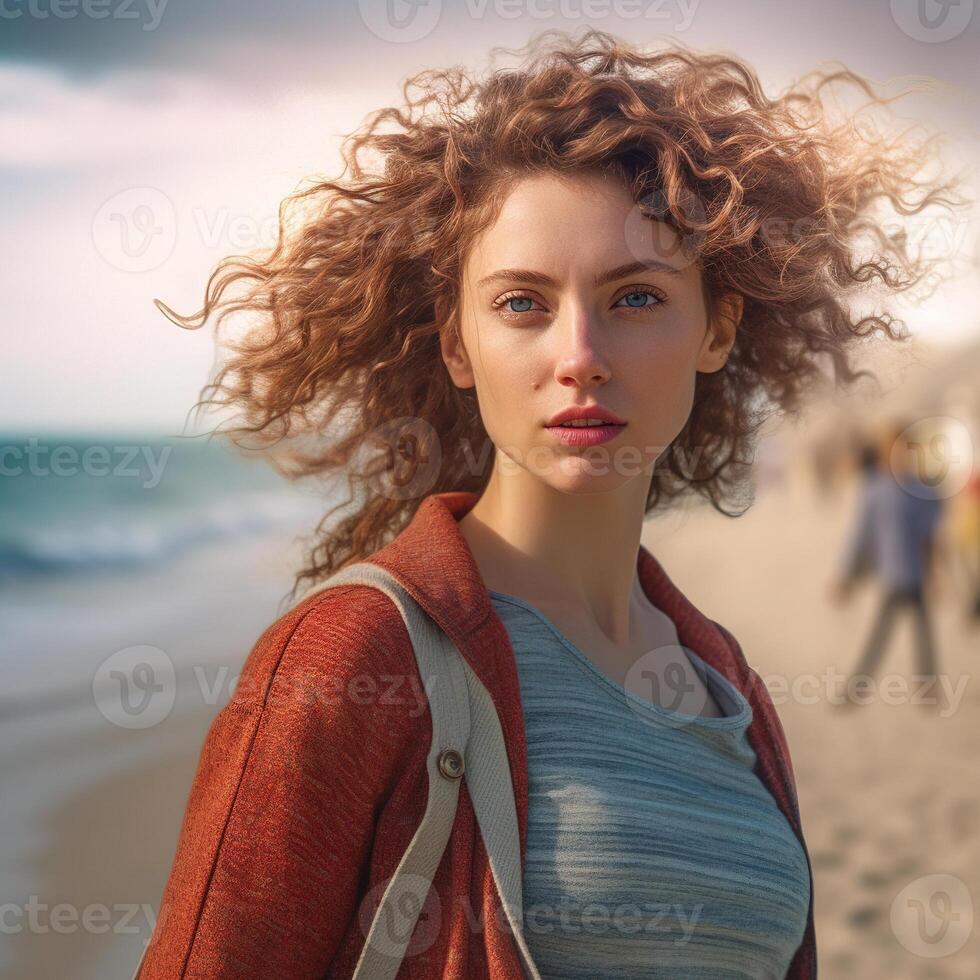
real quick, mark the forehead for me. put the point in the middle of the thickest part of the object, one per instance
(571, 221)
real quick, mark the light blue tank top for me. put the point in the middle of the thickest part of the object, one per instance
(653, 849)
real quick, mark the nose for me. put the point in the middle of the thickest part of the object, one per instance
(580, 359)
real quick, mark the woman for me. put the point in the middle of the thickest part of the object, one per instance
(643, 240)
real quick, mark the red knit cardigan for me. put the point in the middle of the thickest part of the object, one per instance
(312, 780)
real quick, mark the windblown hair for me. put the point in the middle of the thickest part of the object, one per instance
(772, 198)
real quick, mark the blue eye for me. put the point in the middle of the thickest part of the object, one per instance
(520, 299)
(638, 294)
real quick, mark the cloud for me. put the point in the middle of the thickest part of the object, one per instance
(50, 121)
(84, 343)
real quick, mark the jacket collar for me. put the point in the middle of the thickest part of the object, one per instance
(433, 561)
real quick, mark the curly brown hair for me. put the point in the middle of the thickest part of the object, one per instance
(773, 197)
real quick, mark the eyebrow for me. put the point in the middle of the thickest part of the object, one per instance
(610, 275)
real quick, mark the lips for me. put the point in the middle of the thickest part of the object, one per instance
(584, 435)
(582, 412)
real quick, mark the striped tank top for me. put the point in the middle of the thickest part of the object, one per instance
(653, 848)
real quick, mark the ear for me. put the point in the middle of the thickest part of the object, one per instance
(455, 358)
(720, 335)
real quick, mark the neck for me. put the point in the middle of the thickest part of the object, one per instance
(568, 550)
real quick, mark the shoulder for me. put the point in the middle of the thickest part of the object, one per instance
(756, 691)
(737, 657)
(348, 638)
(277, 836)
(743, 675)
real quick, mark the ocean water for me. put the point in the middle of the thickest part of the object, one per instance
(73, 504)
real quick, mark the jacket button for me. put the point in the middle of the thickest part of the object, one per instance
(451, 763)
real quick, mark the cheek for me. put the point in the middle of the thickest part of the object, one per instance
(507, 378)
(507, 362)
(660, 374)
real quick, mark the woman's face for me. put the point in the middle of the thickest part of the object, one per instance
(572, 299)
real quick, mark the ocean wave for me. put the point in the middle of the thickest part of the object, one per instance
(149, 536)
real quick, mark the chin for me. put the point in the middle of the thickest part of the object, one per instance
(579, 472)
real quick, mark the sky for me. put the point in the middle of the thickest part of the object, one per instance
(141, 142)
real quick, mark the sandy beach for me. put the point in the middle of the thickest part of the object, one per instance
(888, 791)
(89, 833)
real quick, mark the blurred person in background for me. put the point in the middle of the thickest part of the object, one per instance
(895, 540)
(965, 535)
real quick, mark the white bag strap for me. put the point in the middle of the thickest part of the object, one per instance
(463, 717)
(492, 792)
(445, 686)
